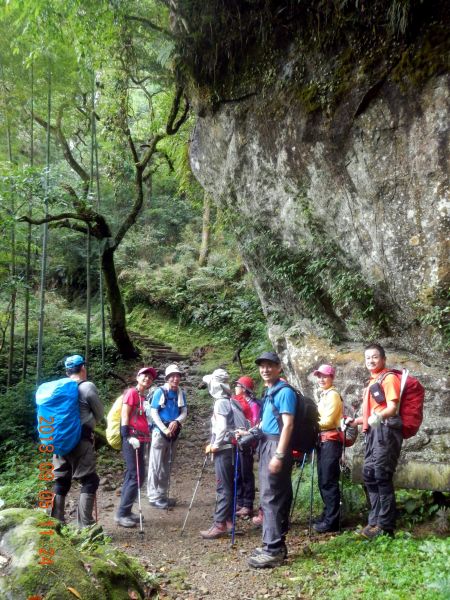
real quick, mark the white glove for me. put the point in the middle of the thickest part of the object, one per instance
(345, 423)
(134, 442)
(374, 420)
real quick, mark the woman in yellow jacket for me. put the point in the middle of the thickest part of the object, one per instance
(329, 452)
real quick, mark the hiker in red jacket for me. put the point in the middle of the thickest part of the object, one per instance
(135, 432)
(383, 428)
(243, 393)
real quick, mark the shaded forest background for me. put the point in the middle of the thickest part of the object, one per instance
(104, 230)
(106, 236)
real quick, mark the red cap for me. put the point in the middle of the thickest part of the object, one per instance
(150, 370)
(325, 370)
(246, 382)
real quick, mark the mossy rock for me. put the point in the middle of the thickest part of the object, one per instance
(83, 565)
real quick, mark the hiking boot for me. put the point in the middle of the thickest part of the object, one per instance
(162, 504)
(264, 560)
(85, 509)
(258, 520)
(134, 517)
(366, 530)
(319, 519)
(57, 511)
(261, 550)
(217, 530)
(375, 532)
(230, 529)
(125, 522)
(325, 527)
(244, 512)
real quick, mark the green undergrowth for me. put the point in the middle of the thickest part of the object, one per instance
(348, 566)
(19, 483)
(354, 500)
(196, 341)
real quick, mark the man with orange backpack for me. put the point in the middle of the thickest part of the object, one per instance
(383, 428)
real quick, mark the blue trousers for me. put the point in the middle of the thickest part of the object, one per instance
(130, 484)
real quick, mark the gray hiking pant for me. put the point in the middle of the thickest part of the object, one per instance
(224, 469)
(162, 456)
(383, 445)
(79, 464)
(275, 493)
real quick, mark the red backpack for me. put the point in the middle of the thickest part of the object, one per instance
(412, 394)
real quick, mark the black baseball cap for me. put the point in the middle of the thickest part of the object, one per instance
(272, 356)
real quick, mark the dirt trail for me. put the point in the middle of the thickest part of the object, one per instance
(190, 567)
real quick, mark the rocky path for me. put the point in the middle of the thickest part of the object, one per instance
(189, 567)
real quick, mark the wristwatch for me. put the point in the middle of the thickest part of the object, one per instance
(280, 455)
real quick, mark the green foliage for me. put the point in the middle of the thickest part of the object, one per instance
(350, 567)
(17, 413)
(416, 506)
(215, 297)
(354, 500)
(19, 483)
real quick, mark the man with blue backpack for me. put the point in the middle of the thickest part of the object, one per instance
(80, 462)
(279, 404)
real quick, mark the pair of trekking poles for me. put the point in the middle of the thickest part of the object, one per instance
(141, 527)
(236, 472)
(311, 495)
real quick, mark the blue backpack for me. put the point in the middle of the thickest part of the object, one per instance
(58, 414)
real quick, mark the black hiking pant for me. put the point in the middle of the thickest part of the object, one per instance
(246, 479)
(383, 445)
(328, 471)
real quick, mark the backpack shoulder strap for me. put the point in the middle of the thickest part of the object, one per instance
(404, 377)
(165, 394)
(269, 396)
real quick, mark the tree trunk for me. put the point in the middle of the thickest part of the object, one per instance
(206, 227)
(118, 326)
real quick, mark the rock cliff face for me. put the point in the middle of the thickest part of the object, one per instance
(334, 171)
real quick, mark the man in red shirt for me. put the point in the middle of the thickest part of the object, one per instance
(383, 428)
(134, 432)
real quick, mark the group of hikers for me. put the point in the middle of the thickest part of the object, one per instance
(242, 427)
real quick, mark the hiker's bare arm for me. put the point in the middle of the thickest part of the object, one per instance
(389, 411)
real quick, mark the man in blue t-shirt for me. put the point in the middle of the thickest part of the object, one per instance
(275, 463)
(168, 411)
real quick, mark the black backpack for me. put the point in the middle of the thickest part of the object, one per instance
(306, 420)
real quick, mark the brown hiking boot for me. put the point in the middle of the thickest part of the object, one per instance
(370, 533)
(217, 530)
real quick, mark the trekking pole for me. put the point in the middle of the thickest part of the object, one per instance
(193, 495)
(341, 499)
(311, 495)
(298, 485)
(236, 472)
(141, 529)
(168, 479)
